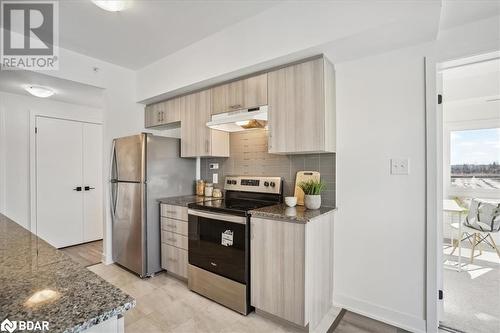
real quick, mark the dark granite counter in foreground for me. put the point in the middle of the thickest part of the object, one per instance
(70, 297)
(184, 200)
(298, 214)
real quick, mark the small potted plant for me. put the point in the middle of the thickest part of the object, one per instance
(312, 190)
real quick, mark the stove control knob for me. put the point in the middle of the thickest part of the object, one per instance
(273, 184)
(233, 182)
(228, 182)
(266, 184)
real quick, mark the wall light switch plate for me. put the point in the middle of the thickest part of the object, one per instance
(400, 166)
(215, 178)
(213, 166)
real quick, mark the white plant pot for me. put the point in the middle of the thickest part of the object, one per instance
(312, 201)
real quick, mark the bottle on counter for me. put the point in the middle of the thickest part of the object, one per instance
(209, 189)
(200, 187)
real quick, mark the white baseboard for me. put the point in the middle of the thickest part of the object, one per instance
(106, 260)
(385, 315)
(327, 320)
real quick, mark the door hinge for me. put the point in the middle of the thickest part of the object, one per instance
(36, 130)
(440, 99)
(440, 294)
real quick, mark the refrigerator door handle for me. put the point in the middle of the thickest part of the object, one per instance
(112, 191)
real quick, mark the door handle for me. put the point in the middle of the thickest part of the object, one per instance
(87, 188)
(78, 188)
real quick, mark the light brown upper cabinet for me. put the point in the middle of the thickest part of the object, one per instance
(163, 113)
(196, 138)
(301, 110)
(242, 94)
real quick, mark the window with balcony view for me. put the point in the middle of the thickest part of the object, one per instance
(475, 157)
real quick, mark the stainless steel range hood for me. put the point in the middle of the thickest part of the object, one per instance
(240, 120)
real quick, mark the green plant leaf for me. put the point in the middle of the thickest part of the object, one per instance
(312, 187)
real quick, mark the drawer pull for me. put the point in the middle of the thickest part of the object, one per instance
(172, 239)
(172, 259)
(173, 226)
(235, 106)
(171, 212)
(213, 264)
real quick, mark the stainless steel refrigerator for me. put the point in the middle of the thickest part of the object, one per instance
(144, 168)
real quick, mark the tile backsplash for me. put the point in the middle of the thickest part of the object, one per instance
(249, 156)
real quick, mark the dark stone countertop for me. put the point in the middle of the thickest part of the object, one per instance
(297, 214)
(29, 265)
(184, 200)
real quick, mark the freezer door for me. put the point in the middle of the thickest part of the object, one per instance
(129, 158)
(128, 227)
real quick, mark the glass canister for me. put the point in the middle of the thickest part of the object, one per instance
(200, 187)
(209, 189)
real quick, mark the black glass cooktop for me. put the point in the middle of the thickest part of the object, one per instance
(241, 206)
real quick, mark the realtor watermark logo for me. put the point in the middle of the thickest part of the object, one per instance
(30, 35)
(21, 325)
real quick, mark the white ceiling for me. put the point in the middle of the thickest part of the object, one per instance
(65, 90)
(147, 31)
(459, 12)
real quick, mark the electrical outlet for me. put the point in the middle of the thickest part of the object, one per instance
(215, 178)
(213, 166)
(400, 166)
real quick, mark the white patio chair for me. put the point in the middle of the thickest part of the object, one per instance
(481, 222)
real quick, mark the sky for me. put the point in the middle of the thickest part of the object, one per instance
(480, 146)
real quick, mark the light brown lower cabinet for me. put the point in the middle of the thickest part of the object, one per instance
(174, 240)
(292, 268)
(174, 260)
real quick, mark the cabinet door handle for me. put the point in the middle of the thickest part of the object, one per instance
(235, 106)
(206, 146)
(159, 117)
(78, 189)
(88, 188)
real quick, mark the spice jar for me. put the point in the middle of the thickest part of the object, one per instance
(217, 193)
(209, 189)
(200, 187)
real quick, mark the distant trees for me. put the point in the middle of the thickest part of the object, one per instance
(479, 170)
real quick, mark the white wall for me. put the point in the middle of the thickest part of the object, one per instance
(290, 30)
(379, 267)
(15, 149)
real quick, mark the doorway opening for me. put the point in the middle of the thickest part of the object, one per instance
(469, 235)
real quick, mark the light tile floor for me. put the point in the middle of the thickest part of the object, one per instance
(165, 304)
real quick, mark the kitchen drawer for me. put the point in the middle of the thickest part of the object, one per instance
(174, 260)
(174, 239)
(176, 212)
(173, 225)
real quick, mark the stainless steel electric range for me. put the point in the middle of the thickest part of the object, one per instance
(219, 239)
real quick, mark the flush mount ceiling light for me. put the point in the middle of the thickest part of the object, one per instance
(111, 5)
(39, 91)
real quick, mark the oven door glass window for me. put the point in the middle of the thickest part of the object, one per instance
(218, 246)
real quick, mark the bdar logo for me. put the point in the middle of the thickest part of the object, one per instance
(8, 326)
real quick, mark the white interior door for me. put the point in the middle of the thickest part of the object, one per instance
(92, 182)
(59, 208)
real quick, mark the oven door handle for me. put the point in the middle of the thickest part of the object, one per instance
(220, 217)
